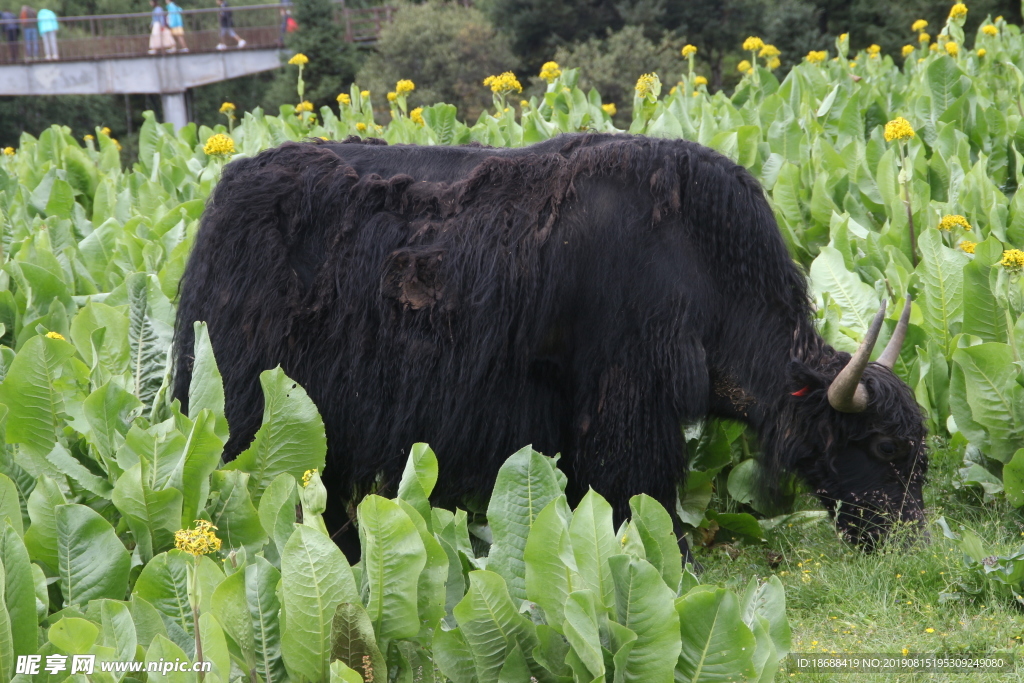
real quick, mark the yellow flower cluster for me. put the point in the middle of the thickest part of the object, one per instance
(874, 51)
(523, 104)
(816, 56)
(952, 49)
(343, 98)
(303, 107)
(105, 131)
(769, 51)
(227, 108)
(918, 25)
(950, 221)
(116, 144)
(306, 476)
(967, 246)
(404, 86)
(990, 30)
(8, 151)
(753, 43)
(982, 52)
(219, 145)
(958, 11)
(645, 84)
(609, 109)
(1013, 259)
(392, 96)
(55, 335)
(934, 47)
(417, 116)
(88, 137)
(907, 49)
(361, 127)
(299, 59)
(364, 94)
(744, 67)
(198, 541)
(923, 38)
(700, 80)
(898, 129)
(550, 71)
(503, 83)
(774, 63)
(689, 50)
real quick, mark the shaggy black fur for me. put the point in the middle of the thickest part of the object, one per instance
(587, 295)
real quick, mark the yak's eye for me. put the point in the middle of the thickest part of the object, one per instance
(886, 448)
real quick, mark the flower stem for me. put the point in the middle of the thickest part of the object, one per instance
(906, 203)
(195, 617)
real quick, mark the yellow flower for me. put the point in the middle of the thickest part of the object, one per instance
(700, 80)
(645, 84)
(116, 144)
(950, 221)
(769, 51)
(744, 67)
(999, 18)
(392, 96)
(550, 71)
(299, 59)
(773, 63)
(88, 137)
(306, 477)
(361, 127)
(874, 50)
(672, 90)
(198, 541)
(753, 43)
(929, 630)
(404, 86)
(918, 25)
(934, 47)
(609, 109)
(1013, 259)
(105, 131)
(816, 56)
(952, 49)
(55, 335)
(696, 93)
(504, 83)
(958, 11)
(689, 50)
(219, 145)
(898, 129)
(906, 652)
(843, 37)
(8, 151)
(524, 104)
(227, 108)
(343, 98)
(923, 38)
(364, 94)
(982, 52)
(907, 49)
(853, 64)
(990, 30)
(303, 106)
(417, 116)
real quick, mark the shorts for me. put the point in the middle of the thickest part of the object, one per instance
(178, 31)
(227, 32)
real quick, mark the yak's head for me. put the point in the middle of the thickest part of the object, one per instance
(856, 434)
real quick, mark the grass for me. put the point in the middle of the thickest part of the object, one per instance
(841, 600)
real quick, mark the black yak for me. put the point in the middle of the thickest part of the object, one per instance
(588, 295)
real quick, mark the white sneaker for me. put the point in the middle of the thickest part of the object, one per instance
(152, 52)
(221, 46)
(241, 43)
(171, 50)
(184, 49)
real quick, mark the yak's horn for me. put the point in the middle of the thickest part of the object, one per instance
(892, 349)
(846, 394)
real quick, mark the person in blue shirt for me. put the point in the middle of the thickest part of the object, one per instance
(160, 36)
(176, 24)
(47, 21)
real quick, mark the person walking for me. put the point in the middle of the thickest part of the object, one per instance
(10, 26)
(29, 32)
(227, 26)
(176, 25)
(159, 35)
(47, 21)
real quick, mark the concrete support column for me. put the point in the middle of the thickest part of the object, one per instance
(174, 109)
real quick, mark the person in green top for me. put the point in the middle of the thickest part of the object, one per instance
(47, 21)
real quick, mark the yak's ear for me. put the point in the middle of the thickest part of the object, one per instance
(413, 277)
(803, 379)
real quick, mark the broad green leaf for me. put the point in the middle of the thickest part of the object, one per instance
(941, 276)
(19, 592)
(206, 390)
(644, 605)
(261, 580)
(353, 640)
(108, 409)
(526, 483)
(716, 644)
(74, 635)
(232, 511)
(291, 439)
(153, 516)
(418, 479)
(148, 352)
(315, 579)
(92, 561)
(215, 649)
(393, 557)
(10, 506)
(582, 631)
(453, 656)
(164, 650)
(231, 607)
(117, 629)
(993, 395)
(35, 405)
(983, 316)
(658, 536)
(856, 299)
(277, 509)
(550, 565)
(41, 535)
(1013, 479)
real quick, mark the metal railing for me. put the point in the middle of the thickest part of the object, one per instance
(112, 36)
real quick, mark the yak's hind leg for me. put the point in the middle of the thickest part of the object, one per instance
(629, 440)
